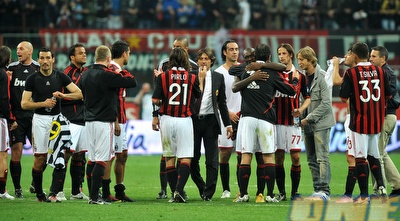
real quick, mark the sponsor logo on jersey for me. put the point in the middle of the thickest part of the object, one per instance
(47, 83)
(26, 71)
(18, 82)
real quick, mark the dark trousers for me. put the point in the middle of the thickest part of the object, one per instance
(206, 129)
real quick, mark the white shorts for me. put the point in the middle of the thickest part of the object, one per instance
(177, 136)
(365, 144)
(238, 143)
(41, 125)
(100, 137)
(350, 149)
(78, 138)
(120, 141)
(288, 138)
(257, 133)
(4, 138)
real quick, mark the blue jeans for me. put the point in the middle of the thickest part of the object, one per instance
(317, 150)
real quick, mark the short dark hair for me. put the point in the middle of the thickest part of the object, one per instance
(209, 52)
(118, 48)
(71, 50)
(383, 52)
(179, 58)
(224, 48)
(262, 52)
(45, 49)
(361, 50)
(5, 55)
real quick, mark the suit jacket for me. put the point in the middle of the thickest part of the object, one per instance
(219, 99)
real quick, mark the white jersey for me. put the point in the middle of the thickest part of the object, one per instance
(233, 100)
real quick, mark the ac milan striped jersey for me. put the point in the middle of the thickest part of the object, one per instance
(285, 104)
(366, 86)
(176, 88)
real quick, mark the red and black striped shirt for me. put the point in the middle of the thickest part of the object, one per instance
(366, 86)
(175, 88)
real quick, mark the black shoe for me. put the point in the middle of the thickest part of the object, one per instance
(394, 193)
(42, 198)
(98, 202)
(162, 195)
(296, 196)
(206, 198)
(125, 198)
(18, 193)
(32, 188)
(178, 197)
(110, 199)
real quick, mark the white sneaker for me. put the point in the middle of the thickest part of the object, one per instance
(226, 194)
(269, 199)
(244, 198)
(318, 196)
(61, 196)
(79, 196)
(5, 195)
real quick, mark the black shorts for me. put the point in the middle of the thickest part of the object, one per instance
(24, 129)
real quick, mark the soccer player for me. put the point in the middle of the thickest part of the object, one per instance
(288, 134)
(230, 54)
(317, 122)
(378, 57)
(6, 119)
(173, 94)
(99, 85)
(366, 86)
(257, 98)
(73, 111)
(120, 52)
(19, 71)
(41, 93)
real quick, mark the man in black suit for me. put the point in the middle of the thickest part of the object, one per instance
(207, 122)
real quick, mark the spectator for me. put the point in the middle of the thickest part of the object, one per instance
(199, 16)
(291, 14)
(374, 15)
(143, 100)
(228, 10)
(360, 16)
(147, 15)
(257, 20)
(309, 18)
(389, 10)
(184, 12)
(345, 15)
(244, 15)
(274, 10)
(51, 13)
(79, 12)
(130, 12)
(102, 10)
(64, 18)
(9, 15)
(211, 21)
(169, 16)
(328, 14)
(115, 20)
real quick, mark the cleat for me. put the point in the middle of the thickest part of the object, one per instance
(171, 200)
(395, 193)
(18, 193)
(318, 196)
(125, 198)
(61, 196)
(178, 198)
(32, 188)
(296, 196)
(79, 196)
(162, 195)
(98, 202)
(382, 194)
(5, 195)
(345, 199)
(270, 199)
(281, 197)
(42, 198)
(110, 199)
(244, 198)
(361, 200)
(53, 199)
(226, 194)
(206, 198)
(260, 198)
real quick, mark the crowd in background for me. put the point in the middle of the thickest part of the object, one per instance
(30, 15)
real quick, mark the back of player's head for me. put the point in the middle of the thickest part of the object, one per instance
(207, 51)
(309, 54)
(45, 49)
(288, 48)
(183, 42)
(361, 50)
(382, 51)
(262, 52)
(118, 48)
(179, 58)
(102, 53)
(224, 47)
(71, 50)
(5, 56)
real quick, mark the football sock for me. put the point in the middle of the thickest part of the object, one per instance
(105, 188)
(224, 171)
(75, 172)
(295, 174)
(37, 177)
(15, 170)
(280, 178)
(172, 177)
(270, 178)
(89, 170)
(97, 178)
(350, 181)
(362, 175)
(183, 176)
(244, 174)
(261, 170)
(163, 175)
(376, 170)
